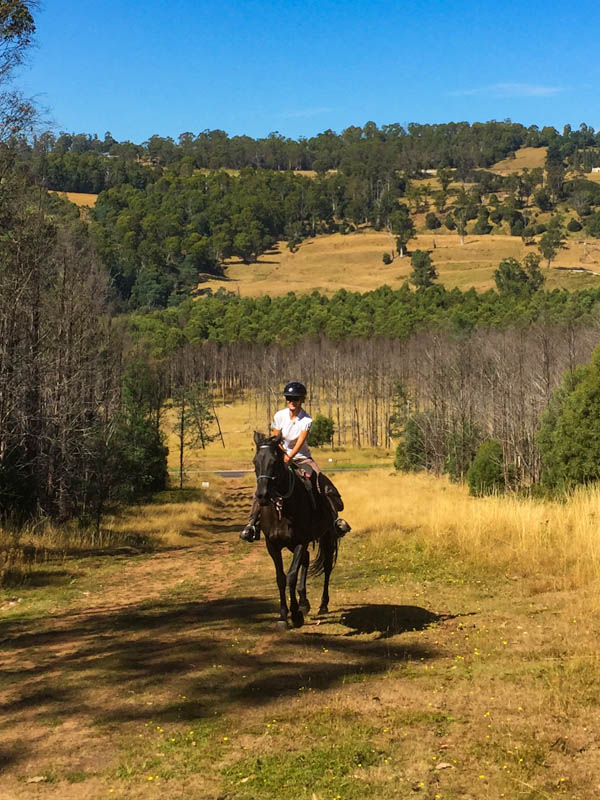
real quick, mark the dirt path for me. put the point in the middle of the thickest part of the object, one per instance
(162, 675)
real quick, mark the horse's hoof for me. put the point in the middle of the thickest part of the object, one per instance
(304, 606)
(298, 619)
(323, 610)
(282, 625)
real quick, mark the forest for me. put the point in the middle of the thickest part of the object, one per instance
(103, 329)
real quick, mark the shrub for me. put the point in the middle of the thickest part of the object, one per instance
(449, 222)
(386, 258)
(486, 473)
(540, 228)
(414, 452)
(569, 437)
(574, 226)
(432, 222)
(321, 431)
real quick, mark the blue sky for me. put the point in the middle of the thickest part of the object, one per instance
(252, 66)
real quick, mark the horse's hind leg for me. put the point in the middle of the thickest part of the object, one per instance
(292, 579)
(328, 546)
(304, 605)
(275, 554)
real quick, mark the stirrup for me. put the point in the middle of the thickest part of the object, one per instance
(341, 527)
(251, 533)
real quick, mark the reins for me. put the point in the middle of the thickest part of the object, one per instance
(291, 478)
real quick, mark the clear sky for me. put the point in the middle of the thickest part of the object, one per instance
(299, 67)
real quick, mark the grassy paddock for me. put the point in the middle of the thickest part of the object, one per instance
(555, 542)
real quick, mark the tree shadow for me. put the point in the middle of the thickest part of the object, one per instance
(187, 657)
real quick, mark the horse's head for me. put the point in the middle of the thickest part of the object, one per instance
(267, 464)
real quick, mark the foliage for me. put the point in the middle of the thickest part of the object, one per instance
(414, 452)
(423, 273)
(518, 280)
(486, 473)
(321, 431)
(569, 437)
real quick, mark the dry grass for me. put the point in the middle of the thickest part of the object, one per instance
(555, 541)
(81, 199)
(353, 262)
(525, 158)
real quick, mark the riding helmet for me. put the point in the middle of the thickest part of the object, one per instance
(294, 389)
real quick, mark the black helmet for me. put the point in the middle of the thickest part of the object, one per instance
(294, 389)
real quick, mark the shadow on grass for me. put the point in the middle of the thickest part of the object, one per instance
(177, 661)
(389, 620)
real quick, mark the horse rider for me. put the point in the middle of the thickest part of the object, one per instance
(293, 423)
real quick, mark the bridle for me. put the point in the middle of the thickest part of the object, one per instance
(291, 479)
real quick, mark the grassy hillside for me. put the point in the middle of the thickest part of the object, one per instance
(353, 262)
(80, 198)
(525, 158)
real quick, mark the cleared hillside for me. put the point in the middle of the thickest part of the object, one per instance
(525, 158)
(354, 262)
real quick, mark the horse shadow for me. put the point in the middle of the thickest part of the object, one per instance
(389, 620)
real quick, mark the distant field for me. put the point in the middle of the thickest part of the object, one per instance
(526, 157)
(353, 262)
(80, 198)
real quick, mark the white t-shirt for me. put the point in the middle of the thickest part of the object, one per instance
(291, 428)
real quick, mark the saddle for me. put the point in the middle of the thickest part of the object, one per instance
(319, 484)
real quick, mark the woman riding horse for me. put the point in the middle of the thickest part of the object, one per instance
(293, 423)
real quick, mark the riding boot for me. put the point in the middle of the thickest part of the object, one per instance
(251, 531)
(340, 526)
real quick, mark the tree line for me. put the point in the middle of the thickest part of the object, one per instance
(356, 150)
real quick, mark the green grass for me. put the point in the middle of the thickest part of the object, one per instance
(327, 771)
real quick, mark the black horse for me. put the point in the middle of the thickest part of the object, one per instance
(291, 518)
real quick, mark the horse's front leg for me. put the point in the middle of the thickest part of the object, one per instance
(275, 554)
(292, 579)
(304, 604)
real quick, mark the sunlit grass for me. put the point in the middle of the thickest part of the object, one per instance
(555, 540)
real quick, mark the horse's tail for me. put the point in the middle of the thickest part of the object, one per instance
(326, 554)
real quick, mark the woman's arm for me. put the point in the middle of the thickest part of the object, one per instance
(299, 442)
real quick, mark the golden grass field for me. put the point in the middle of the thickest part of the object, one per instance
(525, 158)
(81, 199)
(353, 262)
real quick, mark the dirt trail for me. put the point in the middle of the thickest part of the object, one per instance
(162, 676)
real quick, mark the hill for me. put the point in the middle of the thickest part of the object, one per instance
(354, 262)
(524, 158)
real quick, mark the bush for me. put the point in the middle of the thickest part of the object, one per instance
(432, 222)
(386, 258)
(450, 223)
(486, 473)
(414, 452)
(540, 228)
(569, 437)
(321, 431)
(574, 226)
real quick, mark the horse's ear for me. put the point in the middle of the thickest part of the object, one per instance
(258, 438)
(277, 439)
